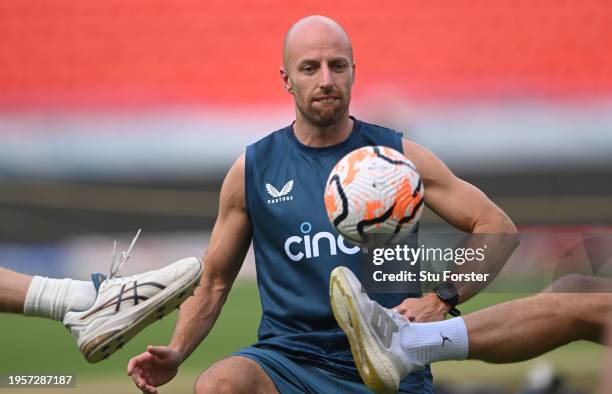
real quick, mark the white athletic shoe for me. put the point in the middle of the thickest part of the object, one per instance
(373, 332)
(125, 306)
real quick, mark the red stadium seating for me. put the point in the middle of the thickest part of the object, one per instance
(116, 53)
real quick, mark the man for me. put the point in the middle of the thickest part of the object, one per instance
(518, 330)
(107, 312)
(300, 347)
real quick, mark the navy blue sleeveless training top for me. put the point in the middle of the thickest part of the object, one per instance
(296, 248)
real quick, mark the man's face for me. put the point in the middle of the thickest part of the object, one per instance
(319, 73)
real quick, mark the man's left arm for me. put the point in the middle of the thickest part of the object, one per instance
(467, 208)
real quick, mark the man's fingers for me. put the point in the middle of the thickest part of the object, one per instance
(130, 367)
(407, 314)
(141, 384)
(139, 379)
(150, 390)
(400, 309)
(146, 388)
(158, 351)
(136, 361)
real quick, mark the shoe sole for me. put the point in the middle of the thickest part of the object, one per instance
(101, 347)
(376, 370)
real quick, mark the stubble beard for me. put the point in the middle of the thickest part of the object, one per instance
(324, 117)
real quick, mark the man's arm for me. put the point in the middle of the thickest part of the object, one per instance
(456, 201)
(229, 243)
(465, 207)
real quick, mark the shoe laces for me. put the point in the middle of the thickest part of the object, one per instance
(118, 262)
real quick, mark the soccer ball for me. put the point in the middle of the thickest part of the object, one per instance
(374, 189)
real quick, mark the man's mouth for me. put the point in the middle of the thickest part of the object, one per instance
(326, 99)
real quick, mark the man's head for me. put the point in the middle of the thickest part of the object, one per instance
(318, 69)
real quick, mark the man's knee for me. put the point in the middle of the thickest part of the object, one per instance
(214, 380)
(234, 374)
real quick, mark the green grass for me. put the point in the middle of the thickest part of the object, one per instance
(36, 344)
(33, 345)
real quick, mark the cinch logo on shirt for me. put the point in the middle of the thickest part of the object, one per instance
(297, 247)
(280, 196)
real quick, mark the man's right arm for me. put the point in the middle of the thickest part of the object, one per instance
(229, 243)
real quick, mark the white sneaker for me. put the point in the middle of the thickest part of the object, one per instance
(373, 332)
(125, 306)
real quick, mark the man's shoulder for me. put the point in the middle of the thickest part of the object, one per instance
(381, 135)
(271, 138)
(378, 128)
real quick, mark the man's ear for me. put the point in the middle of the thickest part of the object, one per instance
(286, 81)
(354, 75)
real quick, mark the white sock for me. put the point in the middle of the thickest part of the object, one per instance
(52, 298)
(424, 343)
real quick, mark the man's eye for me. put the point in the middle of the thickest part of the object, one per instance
(308, 69)
(339, 66)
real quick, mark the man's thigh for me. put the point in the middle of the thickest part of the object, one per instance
(270, 371)
(235, 374)
(291, 376)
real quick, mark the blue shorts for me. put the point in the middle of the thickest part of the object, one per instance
(296, 376)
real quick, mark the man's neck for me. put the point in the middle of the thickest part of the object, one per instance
(320, 137)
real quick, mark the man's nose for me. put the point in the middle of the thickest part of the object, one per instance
(326, 82)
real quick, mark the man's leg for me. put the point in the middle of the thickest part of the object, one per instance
(579, 308)
(235, 374)
(509, 332)
(105, 313)
(521, 329)
(44, 297)
(13, 290)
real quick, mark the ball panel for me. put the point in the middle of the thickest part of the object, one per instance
(382, 189)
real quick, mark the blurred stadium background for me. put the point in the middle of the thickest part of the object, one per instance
(119, 115)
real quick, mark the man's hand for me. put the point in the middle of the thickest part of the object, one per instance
(153, 368)
(425, 309)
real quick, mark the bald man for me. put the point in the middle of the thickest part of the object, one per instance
(272, 196)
